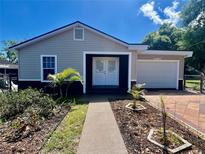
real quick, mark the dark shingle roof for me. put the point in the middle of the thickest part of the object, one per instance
(3, 61)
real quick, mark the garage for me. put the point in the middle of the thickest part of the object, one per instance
(159, 74)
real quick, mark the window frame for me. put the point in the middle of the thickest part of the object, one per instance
(74, 34)
(55, 68)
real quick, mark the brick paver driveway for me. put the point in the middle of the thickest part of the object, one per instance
(188, 107)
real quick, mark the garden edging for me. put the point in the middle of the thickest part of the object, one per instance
(182, 147)
(191, 128)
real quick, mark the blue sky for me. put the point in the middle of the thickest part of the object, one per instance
(129, 20)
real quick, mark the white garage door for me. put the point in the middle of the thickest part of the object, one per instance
(157, 74)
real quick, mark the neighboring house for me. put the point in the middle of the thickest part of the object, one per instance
(7, 68)
(106, 63)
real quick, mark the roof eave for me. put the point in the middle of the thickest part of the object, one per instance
(137, 47)
(186, 54)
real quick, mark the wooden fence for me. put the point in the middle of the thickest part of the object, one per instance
(200, 78)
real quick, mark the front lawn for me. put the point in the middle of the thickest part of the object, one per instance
(193, 84)
(66, 137)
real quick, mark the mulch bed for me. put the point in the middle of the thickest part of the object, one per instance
(33, 143)
(135, 127)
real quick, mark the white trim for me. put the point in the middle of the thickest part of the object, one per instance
(106, 53)
(41, 61)
(29, 79)
(155, 60)
(74, 34)
(129, 71)
(178, 75)
(166, 52)
(84, 73)
(9, 66)
(137, 47)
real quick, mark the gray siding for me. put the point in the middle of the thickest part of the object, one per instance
(69, 52)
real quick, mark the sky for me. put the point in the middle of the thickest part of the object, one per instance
(129, 20)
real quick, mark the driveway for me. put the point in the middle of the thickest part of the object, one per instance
(185, 106)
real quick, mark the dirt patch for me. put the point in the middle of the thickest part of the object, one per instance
(33, 143)
(135, 127)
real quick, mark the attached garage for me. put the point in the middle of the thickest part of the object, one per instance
(161, 74)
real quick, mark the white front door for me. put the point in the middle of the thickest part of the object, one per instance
(105, 71)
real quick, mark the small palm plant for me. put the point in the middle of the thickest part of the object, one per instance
(67, 76)
(137, 94)
(164, 121)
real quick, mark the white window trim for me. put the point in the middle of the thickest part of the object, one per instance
(107, 53)
(74, 34)
(55, 56)
(157, 60)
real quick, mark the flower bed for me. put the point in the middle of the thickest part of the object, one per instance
(33, 142)
(27, 117)
(135, 127)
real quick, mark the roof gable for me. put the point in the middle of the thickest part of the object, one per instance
(70, 26)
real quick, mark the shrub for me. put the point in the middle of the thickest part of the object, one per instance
(67, 76)
(3, 84)
(137, 93)
(15, 103)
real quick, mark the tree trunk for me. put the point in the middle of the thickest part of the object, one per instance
(67, 87)
(61, 92)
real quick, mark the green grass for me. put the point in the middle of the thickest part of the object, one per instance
(193, 84)
(66, 137)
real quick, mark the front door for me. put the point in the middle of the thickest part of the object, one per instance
(105, 71)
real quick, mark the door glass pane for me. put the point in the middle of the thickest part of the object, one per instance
(99, 65)
(111, 66)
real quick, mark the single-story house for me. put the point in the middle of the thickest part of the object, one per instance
(106, 63)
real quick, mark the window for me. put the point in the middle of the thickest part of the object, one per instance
(48, 63)
(78, 34)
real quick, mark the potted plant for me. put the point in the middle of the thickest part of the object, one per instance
(165, 138)
(137, 96)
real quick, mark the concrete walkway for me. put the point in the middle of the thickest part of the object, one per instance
(101, 134)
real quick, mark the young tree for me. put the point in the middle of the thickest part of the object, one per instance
(164, 121)
(9, 54)
(67, 76)
(137, 94)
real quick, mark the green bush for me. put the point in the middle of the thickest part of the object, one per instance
(3, 84)
(15, 103)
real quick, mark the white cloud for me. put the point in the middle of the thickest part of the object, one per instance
(170, 12)
(148, 10)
